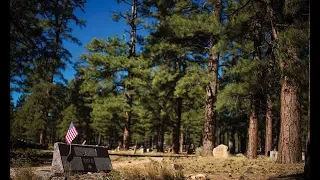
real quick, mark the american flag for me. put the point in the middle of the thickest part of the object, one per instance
(71, 134)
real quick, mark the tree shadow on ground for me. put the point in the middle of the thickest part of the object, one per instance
(289, 177)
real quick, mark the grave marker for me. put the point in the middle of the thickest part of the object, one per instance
(83, 158)
(221, 151)
(273, 155)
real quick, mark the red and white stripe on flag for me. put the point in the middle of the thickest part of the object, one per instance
(71, 134)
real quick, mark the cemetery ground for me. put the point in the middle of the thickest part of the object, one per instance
(36, 164)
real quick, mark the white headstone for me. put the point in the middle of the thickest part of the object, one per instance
(221, 151)
(273, 155)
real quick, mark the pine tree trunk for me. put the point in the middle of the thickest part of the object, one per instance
(126, 133)
(289, 148)
(132, 51)
(152, 141)
(274, 32)
(160, 139)
(217, 140)
(211, 92)
(253, 135)
(227, 137)
(268, 139)
(133, 29)
(99, 139)
(233, 141)
(243, 143)
(307, 153)
(221, 135)
(181, 143)
(176, 129)
(43, 136)
(239, 143)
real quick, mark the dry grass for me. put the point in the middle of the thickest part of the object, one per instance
(144, 168)
(160, 168)
(151, 171)
(152, 153)
(237, 167)
(25, 173)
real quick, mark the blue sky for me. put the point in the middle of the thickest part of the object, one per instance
(98, 25)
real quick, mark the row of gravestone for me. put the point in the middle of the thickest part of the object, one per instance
(22, 144)
(274, 154)
(221, 151)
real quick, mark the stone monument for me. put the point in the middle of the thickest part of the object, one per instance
(80, 158)
(221, 151)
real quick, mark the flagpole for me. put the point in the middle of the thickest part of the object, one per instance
(70, 148)
(71, 134)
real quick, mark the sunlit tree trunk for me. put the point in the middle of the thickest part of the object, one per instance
(253, 134)
(289, 148)
(132, 50)
(211, 92)
(268, 139)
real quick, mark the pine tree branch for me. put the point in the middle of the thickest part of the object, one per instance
(227, 65)
(237, 10)
(118, 13)
(22, 32)
(124, 1)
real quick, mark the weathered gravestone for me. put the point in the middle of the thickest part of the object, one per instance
(82, 158)
(221, 151)
(273, 155)
(141, 150)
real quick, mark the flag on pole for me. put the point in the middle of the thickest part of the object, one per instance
(71, 134)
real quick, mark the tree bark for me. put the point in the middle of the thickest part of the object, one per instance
(132, 50)
(126, 133)
(181, 143)
(152, 141)
(133, 29)
(99, 139)
(289, 148)
(43, 136)
(176, 128)
(221, 135)
(307, 153)
(160, 139)
(233, 141)
(253, 135)
(243, 143)
(268, 139)
(211, 92)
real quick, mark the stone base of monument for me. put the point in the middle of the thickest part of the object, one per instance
(82, 158)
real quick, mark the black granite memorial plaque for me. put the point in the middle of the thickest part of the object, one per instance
(81, 158)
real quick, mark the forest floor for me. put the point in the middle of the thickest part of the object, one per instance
(233, 167)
